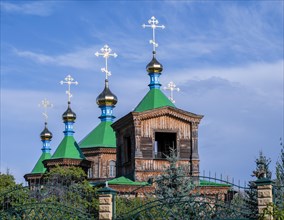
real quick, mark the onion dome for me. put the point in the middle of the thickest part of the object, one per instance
(45, 134)
(106, 98)
(69, 115)
(154, 66)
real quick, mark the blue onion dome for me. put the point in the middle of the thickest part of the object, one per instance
(69, 115)
(45, 135)
(106, 98)
(154, 66)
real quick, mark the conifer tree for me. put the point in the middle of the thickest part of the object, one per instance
(279, 182)
(262, 167)
(250, 201)
(175, 181)
(261, 171)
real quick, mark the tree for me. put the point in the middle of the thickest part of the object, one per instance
(65, 175)
(250, 201)
(262, 167)
(69, 185)
(175, 181)
(6, 181)
(12, 195)
(279, 182)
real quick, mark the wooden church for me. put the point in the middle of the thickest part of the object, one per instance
(136, 145)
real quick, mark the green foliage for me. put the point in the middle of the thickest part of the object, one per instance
(250, 201)
(262, 167)
(126, 205)
(69, 185)
(66, 194)
(274, 211)
(279, 182)
(175, 181)
(66, 175)
(6, 181)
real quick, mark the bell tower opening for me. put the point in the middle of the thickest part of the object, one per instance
(164, 141)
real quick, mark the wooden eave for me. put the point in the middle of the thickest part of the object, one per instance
(168, 111)
(30, 176)
(67, 162)
(98, 150)
(122, 122)
(157, 112)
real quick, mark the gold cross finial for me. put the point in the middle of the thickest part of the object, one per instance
(153, 23)
(106, 53)
(69, 81)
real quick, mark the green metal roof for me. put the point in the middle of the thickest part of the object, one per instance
(68, 148)
(102, 136)
(155, 98)
(39, 167)
(125, 181)
(208, 183)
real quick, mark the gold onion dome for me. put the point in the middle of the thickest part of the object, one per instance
(69, 115)
(154, 66)
(106, 98)
(45, 134)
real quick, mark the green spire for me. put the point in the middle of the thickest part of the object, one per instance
(68, 148)
(101, 136)
(39, 167)
(155, 98)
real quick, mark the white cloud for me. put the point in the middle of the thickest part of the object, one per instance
(81, 58)
(266, 78)
(42, 8)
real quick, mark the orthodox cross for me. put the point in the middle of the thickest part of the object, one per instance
(106, 53)
(153, 23)
(45, 104)
(172, 87)
(69, 81)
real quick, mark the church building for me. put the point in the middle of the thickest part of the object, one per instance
(135, 146)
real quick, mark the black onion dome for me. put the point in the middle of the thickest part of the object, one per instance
(45, 134)
(154, 66)
(106, 98)
(69, 115)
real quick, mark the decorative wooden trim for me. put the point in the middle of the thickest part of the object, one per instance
(168, 110)
(94, 151)
(32, 176)
(67, 162)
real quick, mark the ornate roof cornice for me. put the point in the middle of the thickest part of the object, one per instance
(158, 112)
(168, 111)
(98, 150)
(67, 162)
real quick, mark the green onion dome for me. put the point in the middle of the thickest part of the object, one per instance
(106, 98)
(69, 115)
(45, 135)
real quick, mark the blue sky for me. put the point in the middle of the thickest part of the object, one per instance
(225, 56)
